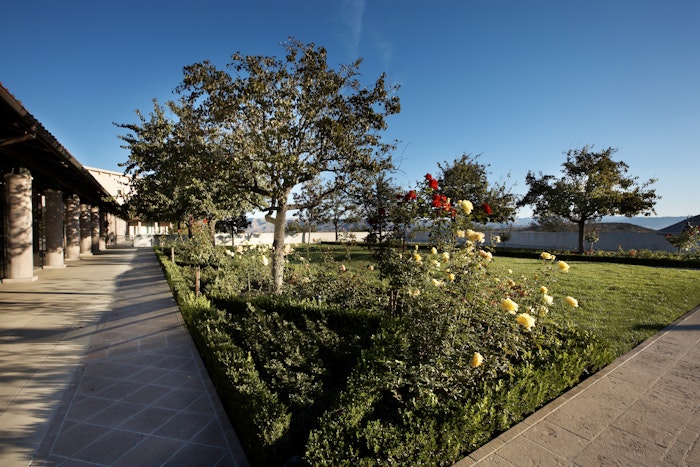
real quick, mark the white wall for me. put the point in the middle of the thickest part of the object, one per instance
(519, 239)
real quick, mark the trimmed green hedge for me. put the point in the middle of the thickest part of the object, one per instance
(331, 386)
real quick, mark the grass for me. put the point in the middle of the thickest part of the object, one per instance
(621, 303)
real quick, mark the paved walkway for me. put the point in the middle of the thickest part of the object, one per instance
(96, 368)
(643, 409)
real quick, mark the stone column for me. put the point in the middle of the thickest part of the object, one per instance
(19, 234)
(54, 229)
(85, 230)
(95, 229)
(104, 229)
(72, 228)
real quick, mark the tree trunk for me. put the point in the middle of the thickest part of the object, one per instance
(581, 229)
(278, 249)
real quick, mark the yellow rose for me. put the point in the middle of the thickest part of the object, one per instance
(451, 277)
(433, 250)
(477, 360)
(487, 255)
(546, 256)
(544, 289)
(475, 237)
(509, 305)
(526, 321)
(571, 301)
(563, 267)
(547, 299)
(466, 206)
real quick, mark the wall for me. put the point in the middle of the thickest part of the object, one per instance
(519, 239)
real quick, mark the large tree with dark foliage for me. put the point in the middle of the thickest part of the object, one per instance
(592, 185)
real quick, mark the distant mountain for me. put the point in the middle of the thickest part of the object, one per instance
(653, 223)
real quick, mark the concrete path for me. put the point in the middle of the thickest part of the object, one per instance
(97, 368)
(642, 410)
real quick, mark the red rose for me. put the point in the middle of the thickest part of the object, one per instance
(410, 196)
(487, 209)
(428, 177)
(433, 184)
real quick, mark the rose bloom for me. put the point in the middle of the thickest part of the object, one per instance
(451, 277)
(509, 305)
(461, 233)
(446, 256)
(466, 206)
(438, 283)
(572, 302)
(546, 256)
(477, 360)
(547, 299)
(526, 321)
(487, 255)
(433, 250)
(417, 257)
(563, 267)
(475, 236)
(544, 289)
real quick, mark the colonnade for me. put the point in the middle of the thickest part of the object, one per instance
(71, 228)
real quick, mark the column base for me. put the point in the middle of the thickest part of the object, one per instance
(60, 266)
(20, 279)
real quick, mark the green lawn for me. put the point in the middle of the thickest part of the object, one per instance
(624, 304)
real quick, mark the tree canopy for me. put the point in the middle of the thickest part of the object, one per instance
(592, 185)
(266, 125)
(465, 178)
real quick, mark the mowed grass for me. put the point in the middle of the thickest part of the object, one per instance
(623, 304)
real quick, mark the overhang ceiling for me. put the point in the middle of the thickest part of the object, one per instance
(24, 142)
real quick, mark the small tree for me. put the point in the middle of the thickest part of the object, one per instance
(285, 122)
(687, 240)
(465, 178)
(592, 185)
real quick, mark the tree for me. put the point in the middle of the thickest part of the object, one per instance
(592, 185)
(467, 179)
(284, 122)
(234, 225)
(338, 208)
(175, 170)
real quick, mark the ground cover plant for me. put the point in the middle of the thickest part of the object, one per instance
(404, 354)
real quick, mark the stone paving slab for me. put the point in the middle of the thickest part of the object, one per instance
(98, 369)
(643, 409)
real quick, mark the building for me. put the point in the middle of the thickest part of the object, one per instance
(121, 231)
(52, 209)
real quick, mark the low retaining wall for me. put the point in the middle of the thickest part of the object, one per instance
(519, 239)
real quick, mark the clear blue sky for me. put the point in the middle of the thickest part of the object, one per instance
(519, 82)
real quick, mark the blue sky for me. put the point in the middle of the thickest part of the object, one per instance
(519, 82)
